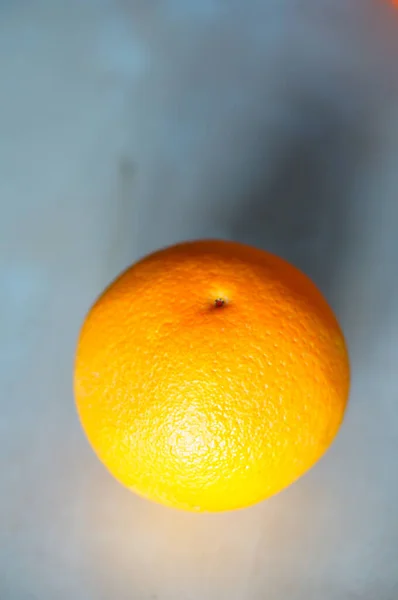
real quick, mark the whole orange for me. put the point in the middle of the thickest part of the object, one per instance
(211, 375)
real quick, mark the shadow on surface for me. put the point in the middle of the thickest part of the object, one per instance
(301, 210)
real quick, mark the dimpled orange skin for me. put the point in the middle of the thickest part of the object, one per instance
(210, 375)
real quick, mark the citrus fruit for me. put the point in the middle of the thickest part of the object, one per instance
(210, 375)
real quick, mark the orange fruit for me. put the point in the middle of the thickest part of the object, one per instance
(210, 375)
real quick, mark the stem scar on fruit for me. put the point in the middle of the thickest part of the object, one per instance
(219, 302)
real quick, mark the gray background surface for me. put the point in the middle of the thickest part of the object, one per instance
(128, 125)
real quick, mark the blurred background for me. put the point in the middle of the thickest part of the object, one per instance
(126, 125)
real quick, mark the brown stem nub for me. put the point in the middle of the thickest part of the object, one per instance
(219, 302)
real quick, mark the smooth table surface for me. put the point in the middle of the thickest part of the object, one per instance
(128, 125)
